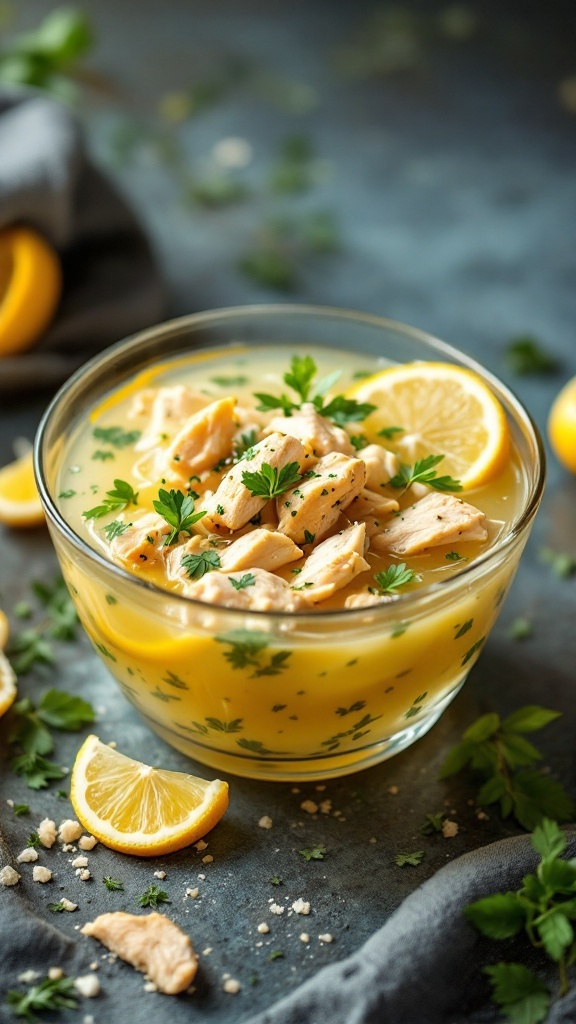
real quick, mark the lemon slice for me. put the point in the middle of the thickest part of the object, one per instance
(562, 426)
(442, 410)
(136, 809)
(30, 288)
(20, 503)
(7, 684)
(4, 630)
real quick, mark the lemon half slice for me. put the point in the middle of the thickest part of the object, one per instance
(7, 684)
(20, 503)
(136, 809)
(30, 288)
(442, 410)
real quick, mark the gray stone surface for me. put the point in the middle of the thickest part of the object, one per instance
(455, 189)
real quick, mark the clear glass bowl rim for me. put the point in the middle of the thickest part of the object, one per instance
(168, 327)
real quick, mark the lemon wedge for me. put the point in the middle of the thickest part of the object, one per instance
(30, 288)
(7, 684)
(4, 630)
(20, 504)
(562, 426)
(134, 808)
(440, 409)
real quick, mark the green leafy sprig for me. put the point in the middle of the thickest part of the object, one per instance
(30, 733)
(413, 859)
(499, 754)
(269, 482)
(121, 495)
(45, 57)
(152, 897)
(197, 565)
(423, 472)
(393, 577)
(544, 909)
(313, 853)
(525, 355)
(300, 378)
(177, 509)
(49, 994)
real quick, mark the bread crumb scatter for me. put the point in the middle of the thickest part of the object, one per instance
(149, 986)
(88, 1019)
(55, 973)
(47, 832)
(326, 937)
(202, 877)
(231, 986)
(449, 828)
(83, 874)
(310, 806)
(10, 803)
(482, 816)
(68, 848)
(325, 806)
(275, 908)
(206, 951)
(393, 790)
(69, 831)
(337, 814)
(301, 906)
(94, 966)
(200, 846)
(27, 856)
(207, 859)
(40, 874)
(265, 821)
(87, 842)
(80, 862)
(263, 928)
(304, 937)
(113, 744)
(192, 893)
(87, 985)
(159, 874)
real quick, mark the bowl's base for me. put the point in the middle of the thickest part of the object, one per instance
(308, 769)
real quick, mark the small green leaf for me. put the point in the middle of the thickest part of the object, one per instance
(520, 629)
(456, 759)
(492, 790)
(313, 853)
(548, 839)
(483, 728)
(518, 752)
(525, 355)
(524, 998)
(413, 859)
(499, 916)
(152, 897)
(556, 933)
(529, 719)
(247, 580)
(432, 823)
(197, 565)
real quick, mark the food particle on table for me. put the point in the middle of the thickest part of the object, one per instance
(41, 874)
(28, 856)
(232, 986)
(87, 985)
(69, 831)
(152, 944)
(301, 906)
(8, 876)
(46, 832)
(265, 821)
(87, 842)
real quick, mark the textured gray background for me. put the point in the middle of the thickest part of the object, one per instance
(454, 186)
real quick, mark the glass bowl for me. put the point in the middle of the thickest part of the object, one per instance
(273, 695)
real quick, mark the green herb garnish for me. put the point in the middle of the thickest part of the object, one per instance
(563, 565)
(247, 580)
(116, 436)
(33, 840)
(276, 954)
(117, 499)
(432, 823)
(275, 880)
(56, 908)
(102, 455)
(197, 565)
(423, 472)
(390, 432)
(113, 884)
(115, 529)
(49, 994)
(177, 509)
(413, 859)
(21, 809)
(525, 355)
(153, 897)
(313, 853)
(497, 752)
(520, 629)
(269, 482)
(393, 577)
(453, 556)
(31, 734)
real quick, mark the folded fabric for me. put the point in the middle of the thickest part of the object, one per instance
(112, 286)
(424, 966)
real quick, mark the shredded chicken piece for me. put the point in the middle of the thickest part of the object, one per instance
(313, 506)
(263, 549)
(434, 520)
(381, 465)
(152, 944)
(264, 592)
(203, 441)
(143, 542)
(234, 499)
(165, 410)
(332, 565)
(316, 432)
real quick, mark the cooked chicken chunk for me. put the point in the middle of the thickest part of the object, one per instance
(332, 565)
(142, 543)
(313, 506)
(381, 465)
(193, 546)
(152, 944)
(316, 433)
(436, 519)
(264, 549)
(232, 505)
(365, 600)
(203, 440)
(165, 410)
(372, 509)
(256, 590)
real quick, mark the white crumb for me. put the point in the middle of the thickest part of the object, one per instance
(265, 821)
(69, 831)
(40, 874)
(87, 985)
(47, 832)
(27, 856)
(301, 906)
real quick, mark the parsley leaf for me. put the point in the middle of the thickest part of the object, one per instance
(247, 580)
(36, 770)
(177, 509)
(504, 761)
(395, 576)
(275, 880)
(343, 410)
(390, 432)
(432, 823)
(27, 648)
(423, 472)
(118, 498)
(152, 897)
(244, 446)
(115, 529)
(525, 355)
(196, 565)
(116, 436)
(113, 884)
(269, 402)
(413, 859)
(303, 369)
(520, 993)
(62, 616)
(313, 853)
(31, 734)
(21, 809)
(49, 994)
(269, 482)
(64, 711)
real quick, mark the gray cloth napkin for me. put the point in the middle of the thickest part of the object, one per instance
(422, 967)
(111, 284)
